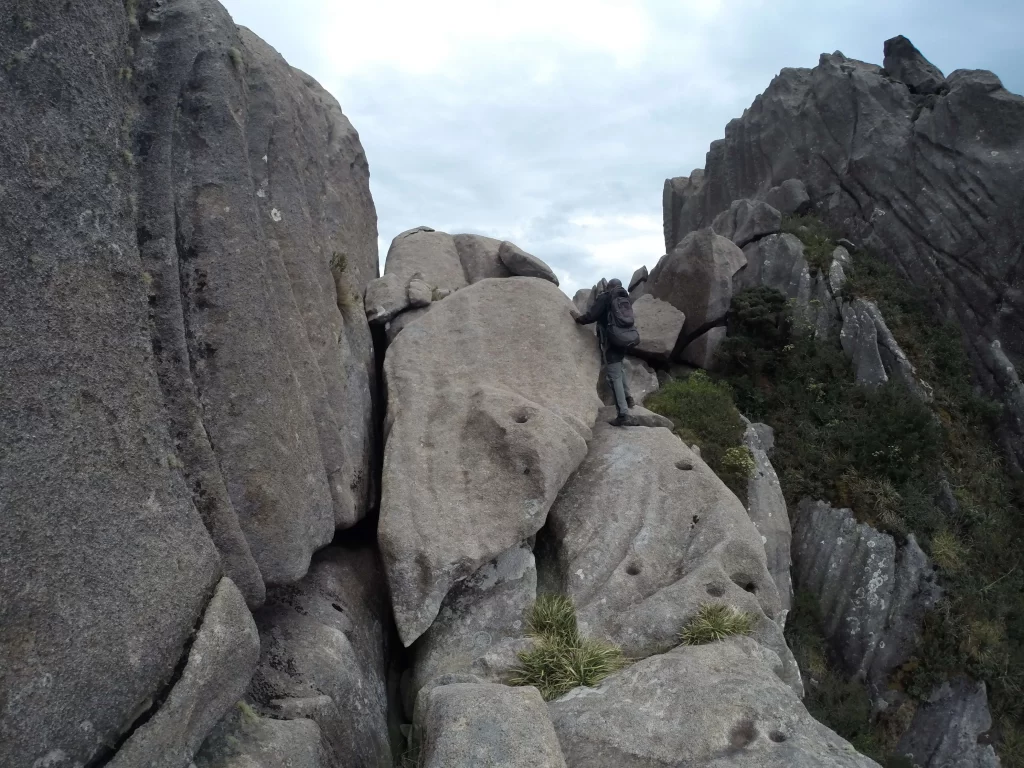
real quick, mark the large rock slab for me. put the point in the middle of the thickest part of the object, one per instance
(639, 276)
(256, 229)
(766, 505)
(874, 351)
(696, 278)
(479, 257)
(702, 351)
(220, 662)
(778, 261)
(718, 705)
(951, 729)
(490, 402)
(324, 654)
(482, 725)
(422, 253)
(788, 198)
(905, 63)
(746, 221)
(521, 263)
(106, 562)
(644, 533)
(872, 595)
(933, 183)
(659, 324)
(482, 623)
(246, 740)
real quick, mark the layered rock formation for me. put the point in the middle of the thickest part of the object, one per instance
(186, 391)
(925, 170)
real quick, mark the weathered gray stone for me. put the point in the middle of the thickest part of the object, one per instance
(640, 377)
(905, 63)
(490, 402)
(644, 533)
(702, 351)
(789, 198)
(872, 595)
(640, 417)
(421, 254)
(659, 325)
(696, 278)
(874, 351)
(766, 506)
(523, 264)
(253, 210)
(419, 292)
(639, 276)
(747, 220)
(385, 298)
(778, 262)
(482, 623)
(396, 324)
(323, 654)
(1012, 390)
(479, 257)
(249, 741)
(220, 663)
(719, 705)
(581, 299)
(932, 184)
(482, 725)
(951, 729)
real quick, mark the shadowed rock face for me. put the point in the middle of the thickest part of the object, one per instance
(951, 728)
(491, 398)
(932, 181)
(184, 391)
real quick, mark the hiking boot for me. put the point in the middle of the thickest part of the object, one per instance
(630, 403)
(623, 420)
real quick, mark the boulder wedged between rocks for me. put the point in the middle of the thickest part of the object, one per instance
(491, 399)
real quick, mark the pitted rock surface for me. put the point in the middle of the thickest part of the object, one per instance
(491, 398)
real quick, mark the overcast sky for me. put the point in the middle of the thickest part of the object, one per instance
(554, 123)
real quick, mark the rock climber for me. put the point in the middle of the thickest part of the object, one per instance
(616, 332)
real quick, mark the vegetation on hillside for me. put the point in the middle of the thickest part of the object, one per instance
(888, 456)
(561, 658)
(705, 415)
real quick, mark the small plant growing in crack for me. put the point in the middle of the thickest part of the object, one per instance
(714, 622)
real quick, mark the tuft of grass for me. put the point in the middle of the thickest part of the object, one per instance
(714, 622)
(131, 8)
(562, 659)
(818, 239)
(236, 59)
(704, 414)
(339, 261)
(947, 551)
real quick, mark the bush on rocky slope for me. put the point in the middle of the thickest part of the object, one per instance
(704, 415)
(887, 455)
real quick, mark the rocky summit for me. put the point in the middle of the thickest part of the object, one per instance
(262, 505)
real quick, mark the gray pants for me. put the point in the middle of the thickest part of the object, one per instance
(617, 384)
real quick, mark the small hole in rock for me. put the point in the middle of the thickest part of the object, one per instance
(696, 519)
(337, 607)
(632, 569)
(745, 583)
(684, 464)
(715, 590)
(751, 587)
(526, 471)
(777, 736)
(522, 418)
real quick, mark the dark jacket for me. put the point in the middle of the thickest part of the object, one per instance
(598, 313)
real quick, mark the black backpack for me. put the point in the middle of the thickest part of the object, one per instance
(622, 330)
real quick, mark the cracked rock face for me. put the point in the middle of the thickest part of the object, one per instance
(491, 399)
(872, 594)
(951, 728)
(928, 173)
(718, 705)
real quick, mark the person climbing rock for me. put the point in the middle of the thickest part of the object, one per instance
(616, 333)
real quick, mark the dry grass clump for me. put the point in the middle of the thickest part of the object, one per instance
(714, 622)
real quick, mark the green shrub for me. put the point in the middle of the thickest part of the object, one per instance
(704, 414)
(714, 622)
(819, 241)
(561, 659)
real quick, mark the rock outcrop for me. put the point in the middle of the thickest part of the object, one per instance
(766, 506)
(644, 533)
(490, 402)
(521, 263)
(926, 171)
(186, 392)
(659, 325)
(640, 377)
(720, 705)
(872, 595)
(746, 221)
(951, 729)
(874, 352)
